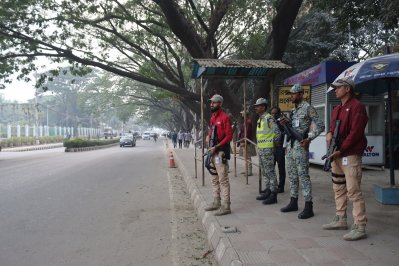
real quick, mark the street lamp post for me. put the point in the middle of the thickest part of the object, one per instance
(36, 118)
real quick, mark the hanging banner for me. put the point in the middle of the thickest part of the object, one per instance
(284, 98)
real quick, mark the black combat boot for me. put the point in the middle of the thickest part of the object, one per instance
(264, 195)
(307, 211)
(272, 199)
(292, 206)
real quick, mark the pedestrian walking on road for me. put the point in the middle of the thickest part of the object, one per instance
(267, 135)
(347, 159)
(279, 152)
(297, 158)
(220, 135)
(246, 130)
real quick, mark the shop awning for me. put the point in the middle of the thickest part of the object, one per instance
(231, 68)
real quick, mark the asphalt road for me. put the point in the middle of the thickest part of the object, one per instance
(103, 207)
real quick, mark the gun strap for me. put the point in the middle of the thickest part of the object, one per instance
(338, 179)
(212, 171)
(337, 175)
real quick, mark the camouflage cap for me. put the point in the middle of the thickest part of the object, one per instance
(296, 88)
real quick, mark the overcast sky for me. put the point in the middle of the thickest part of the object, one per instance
(18, 91)
(22, 91)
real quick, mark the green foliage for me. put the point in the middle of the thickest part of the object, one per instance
(314, 39)
(360, 12)
(81, 143)
(28, 141)
(373, 24)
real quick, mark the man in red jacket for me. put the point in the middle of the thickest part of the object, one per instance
(220, 135)
(347, 159)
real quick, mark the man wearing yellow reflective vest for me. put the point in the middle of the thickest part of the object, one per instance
(267, 136)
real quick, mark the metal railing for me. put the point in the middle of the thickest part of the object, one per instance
(199, 159)
(244, 158)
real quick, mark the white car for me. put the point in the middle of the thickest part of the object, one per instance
(146, 135)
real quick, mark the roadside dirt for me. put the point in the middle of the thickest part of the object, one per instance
(189, 241)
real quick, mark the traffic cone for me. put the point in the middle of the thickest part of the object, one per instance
(171, 161)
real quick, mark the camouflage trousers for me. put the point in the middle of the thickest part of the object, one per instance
(297, 161)
(266, 158)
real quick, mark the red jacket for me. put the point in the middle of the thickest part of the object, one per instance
(223, 127)
(354, 119)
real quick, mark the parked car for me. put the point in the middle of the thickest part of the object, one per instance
(146, 136)
(127, 140)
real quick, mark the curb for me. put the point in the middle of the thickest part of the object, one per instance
(89, 148)
(225, 254)
(34, 148)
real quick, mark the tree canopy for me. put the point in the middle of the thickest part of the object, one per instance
(153, 42)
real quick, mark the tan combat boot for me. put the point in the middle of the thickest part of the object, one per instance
(214, 205)
(223, 210)
(338, 223)
(357, 232)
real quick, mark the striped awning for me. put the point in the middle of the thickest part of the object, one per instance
(231, 68)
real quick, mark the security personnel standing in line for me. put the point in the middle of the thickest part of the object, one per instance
(221, 134)
(347, 159)
(297, 158)
(267, 135)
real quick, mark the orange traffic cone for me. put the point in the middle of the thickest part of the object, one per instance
(171, 161)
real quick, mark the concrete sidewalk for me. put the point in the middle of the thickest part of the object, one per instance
(255, 234)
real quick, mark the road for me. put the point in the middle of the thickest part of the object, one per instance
(114, 206)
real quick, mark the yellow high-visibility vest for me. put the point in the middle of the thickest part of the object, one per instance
(264, 133)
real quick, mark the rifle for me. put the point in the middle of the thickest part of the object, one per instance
(332, 148)
(212, 143)
(291, 133)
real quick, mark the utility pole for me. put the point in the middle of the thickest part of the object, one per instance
(37, 117)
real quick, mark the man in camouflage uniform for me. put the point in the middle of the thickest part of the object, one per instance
(297, 159)
(267, 135)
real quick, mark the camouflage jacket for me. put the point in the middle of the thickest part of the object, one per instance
(306, 121)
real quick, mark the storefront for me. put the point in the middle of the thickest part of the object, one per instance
(319, 78)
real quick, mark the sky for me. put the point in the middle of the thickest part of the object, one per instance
(22, 91)
(19, 91)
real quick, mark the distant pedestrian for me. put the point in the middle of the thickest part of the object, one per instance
(347, 159)
(174, 139)
(187, 139)
(180, 137)
(279, 152)
(267, 134)
(220, 134)
(302, 116)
